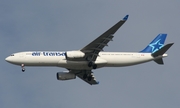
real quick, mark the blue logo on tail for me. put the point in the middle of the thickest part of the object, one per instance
(156, 44)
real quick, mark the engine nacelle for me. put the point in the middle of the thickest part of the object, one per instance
(75, 54)
(65, 76)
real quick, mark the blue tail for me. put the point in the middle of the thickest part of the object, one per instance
(156, 44)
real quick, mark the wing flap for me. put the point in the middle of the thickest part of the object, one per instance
(91, 82)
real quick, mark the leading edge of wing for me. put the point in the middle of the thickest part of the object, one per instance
(106, 34)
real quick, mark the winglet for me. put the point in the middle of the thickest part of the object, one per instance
(126, 17)
(97, 82)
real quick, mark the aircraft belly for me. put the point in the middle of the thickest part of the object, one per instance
(73, 64)
(80, 65)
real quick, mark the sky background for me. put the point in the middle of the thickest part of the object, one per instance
(72, 24)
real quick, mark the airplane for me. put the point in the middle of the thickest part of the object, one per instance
(81, 62)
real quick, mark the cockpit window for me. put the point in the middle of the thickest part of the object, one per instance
(12, 54)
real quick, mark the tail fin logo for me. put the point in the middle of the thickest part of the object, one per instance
(156, 46)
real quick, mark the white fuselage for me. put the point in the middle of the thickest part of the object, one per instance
(57, 58)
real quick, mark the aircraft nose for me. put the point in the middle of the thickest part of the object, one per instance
(11, 60)
(7, 59)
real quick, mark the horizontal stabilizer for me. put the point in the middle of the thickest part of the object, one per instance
(162, 50)
(159, 61)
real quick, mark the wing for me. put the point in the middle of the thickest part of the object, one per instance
(86, 75)
(92, 49)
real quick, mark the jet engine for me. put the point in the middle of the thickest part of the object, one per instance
(74, 54)
(65, 76)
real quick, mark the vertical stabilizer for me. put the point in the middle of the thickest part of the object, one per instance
(156, 44)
